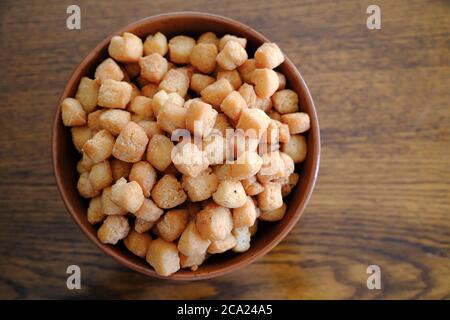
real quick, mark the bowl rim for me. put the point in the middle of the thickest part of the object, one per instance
(108, 250)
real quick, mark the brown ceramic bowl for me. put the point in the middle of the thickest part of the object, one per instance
(269, 235)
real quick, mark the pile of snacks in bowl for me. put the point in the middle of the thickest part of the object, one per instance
(185, 145)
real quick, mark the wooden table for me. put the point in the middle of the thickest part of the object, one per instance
(383, 194)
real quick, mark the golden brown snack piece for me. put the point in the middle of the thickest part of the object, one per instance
(273, 167)
(80, 135)
(108, 206)
(93, 121)
(180, 49)
(242, 236)
(137, 243)
(248, 93)
(100, 175)
(156, 43)
(285, 101)
(131, 143)
(126, 48)
(172, 224)
(113, 229)
(189, 159)
(100, 146)
(161, 98)
(188, 102)
(222, 124)
(192, 262)
(153, 67)
(289, 165)
(108, 69)
(151, 128)
(214, 222)
(296, 148)
(253, 121)
(175, 80)
(230, 194)
(200, 82)
(270, 198)
(203, 57)
(247, 69)
(208, 37)
(272, 134)
(228, 37)
(141, 226)
(85, 188)
(246, 165)
(163, 257)
(168, 192)
(149, 211)
(215, 148)
(127, 195)
(283, 131)
(201, 187)
(273, 215)
(232, 76)
(216, 92)
(266, 82)
(233, 104)
(245, 216)
(251, 186)
(298, 122)
(172, 117)
(73, 113)
(242, 141)
(87, 94)
(268, 55)
(220, 246)
(114, 120)
(223, 172)
(159, 152)
(232, 55)
(191, 243)
(142, 107)
(143, 173)
(200, 118)
(94, 211)
(264, 104)
(114, 94)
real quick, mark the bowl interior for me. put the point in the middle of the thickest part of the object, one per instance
(65, 155)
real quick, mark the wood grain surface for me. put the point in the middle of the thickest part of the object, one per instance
(383, 194)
